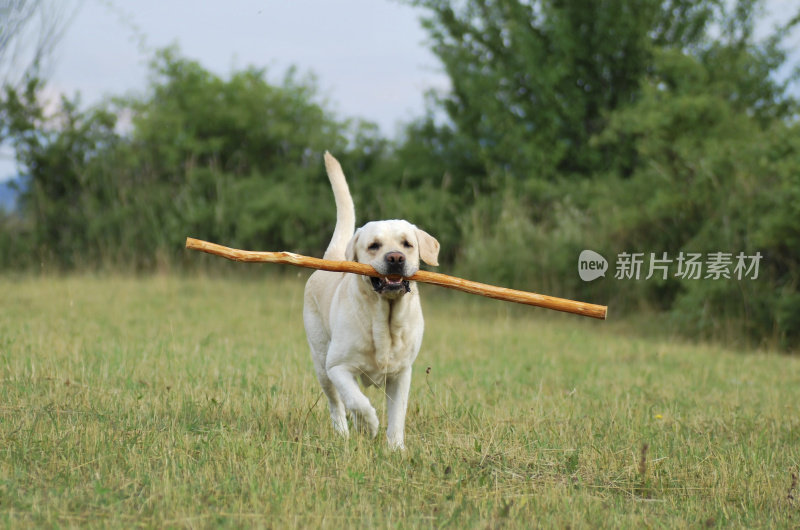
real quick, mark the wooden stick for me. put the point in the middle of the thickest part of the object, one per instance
(451, 282)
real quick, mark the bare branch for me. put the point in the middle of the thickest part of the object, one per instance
(29, 33)
(443, 280)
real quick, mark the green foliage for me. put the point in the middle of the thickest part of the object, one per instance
(233, 160)
(603, 127)
(654, 126)
(59, 153)
(533, 81)
(709, 167)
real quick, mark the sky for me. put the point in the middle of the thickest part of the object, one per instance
(370, 57)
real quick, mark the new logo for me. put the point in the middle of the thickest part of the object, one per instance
(591, 265)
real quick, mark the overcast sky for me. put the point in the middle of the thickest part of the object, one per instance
(370, 56)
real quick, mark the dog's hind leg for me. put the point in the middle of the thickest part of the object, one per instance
(318, 342)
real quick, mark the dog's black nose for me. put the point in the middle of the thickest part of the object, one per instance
(395, 260)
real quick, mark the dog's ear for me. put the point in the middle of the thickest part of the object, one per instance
(428, 248)
(350, 251)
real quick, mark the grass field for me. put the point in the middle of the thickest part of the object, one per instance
(191, 402)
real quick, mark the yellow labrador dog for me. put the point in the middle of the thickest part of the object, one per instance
(363, 328)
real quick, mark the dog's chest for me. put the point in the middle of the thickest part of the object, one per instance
(395, 342)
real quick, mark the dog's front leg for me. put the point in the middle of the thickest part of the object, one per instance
(354, 400)
(397, 388)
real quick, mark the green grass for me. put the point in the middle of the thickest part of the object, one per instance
(191, 402)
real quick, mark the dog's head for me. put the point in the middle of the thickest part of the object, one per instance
(394, 248)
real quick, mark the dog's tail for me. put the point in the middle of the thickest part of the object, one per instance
(345, 211)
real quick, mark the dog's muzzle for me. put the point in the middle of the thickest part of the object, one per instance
(394, 265)
(390, 284)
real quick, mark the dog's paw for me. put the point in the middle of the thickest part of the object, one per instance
(372, 422)
(394, 437)
(366, 421)
(396, 445)
(340, 425)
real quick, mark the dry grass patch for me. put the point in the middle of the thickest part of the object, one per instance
(191, 402)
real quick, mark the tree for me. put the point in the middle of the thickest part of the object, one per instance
(656, 126)
(235, 160)
(534, 81)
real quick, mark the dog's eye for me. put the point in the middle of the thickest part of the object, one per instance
(375, 246)
(407, 244)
